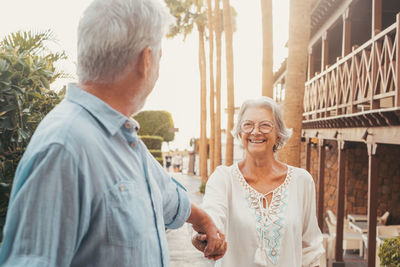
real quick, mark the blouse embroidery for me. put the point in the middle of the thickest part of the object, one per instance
(269, 221)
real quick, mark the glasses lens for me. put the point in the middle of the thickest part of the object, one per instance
(265, 127)
(247, 126)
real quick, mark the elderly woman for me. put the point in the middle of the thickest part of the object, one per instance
(265, 207)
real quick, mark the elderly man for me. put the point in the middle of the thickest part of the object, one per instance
(87, 192)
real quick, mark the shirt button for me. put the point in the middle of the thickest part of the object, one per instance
(121, 188)
(128, 125)
(132, 144)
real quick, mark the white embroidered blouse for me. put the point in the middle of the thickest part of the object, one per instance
(285, 233)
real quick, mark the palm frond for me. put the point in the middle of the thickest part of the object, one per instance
(29, 41)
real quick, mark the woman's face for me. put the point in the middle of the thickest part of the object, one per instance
(258, 132)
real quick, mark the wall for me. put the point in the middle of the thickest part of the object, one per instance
(356, 171)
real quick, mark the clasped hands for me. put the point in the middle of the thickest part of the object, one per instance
(213, 247)
(208, 239)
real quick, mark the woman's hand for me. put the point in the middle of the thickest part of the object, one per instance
(203, 224)
(199, 241)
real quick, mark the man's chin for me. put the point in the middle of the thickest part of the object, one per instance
(139, 107)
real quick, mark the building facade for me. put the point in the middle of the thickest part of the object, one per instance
(351, 119)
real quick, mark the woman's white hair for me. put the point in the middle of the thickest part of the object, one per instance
(283, 133)
(113, 33)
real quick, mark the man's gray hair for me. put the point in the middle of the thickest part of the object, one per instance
(283, 133)
(113, 33)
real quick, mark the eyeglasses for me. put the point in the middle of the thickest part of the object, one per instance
(263, 126)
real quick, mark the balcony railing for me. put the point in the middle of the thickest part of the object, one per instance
(360, 89)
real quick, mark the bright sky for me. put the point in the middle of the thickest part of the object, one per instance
(178, 87)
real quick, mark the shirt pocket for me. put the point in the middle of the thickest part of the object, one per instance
(126, 215)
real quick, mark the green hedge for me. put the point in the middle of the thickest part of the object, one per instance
(202, 188)
(160, 160)
(152, 142)
(156, 153)
(389, 252)
(156, 123)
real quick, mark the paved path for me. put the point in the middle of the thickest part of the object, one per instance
(182, 253)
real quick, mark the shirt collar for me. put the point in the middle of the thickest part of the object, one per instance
(111, 119)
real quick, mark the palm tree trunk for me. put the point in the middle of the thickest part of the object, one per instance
(212, 95)
(267, 62)
(217, 151)
(230, 82)
(203, 107)
(299, 32)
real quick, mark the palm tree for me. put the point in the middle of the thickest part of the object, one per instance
(217, 151)
(212, 94)
(189, 13)
(267, 75)
(229, 76)
(203, 106)
(299, 32)
(185, 20)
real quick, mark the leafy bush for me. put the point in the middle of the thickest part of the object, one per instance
(160, 160)
(202, 188)
(389, 252)
(26, 72)
(155, 127)
(156, 153)
(156, 123)
(152, 142)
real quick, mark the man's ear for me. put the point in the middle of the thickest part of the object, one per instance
(144, 62)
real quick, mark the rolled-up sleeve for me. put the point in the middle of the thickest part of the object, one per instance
(176, 203)
(312, 237)
(175, 218)
(42, 220)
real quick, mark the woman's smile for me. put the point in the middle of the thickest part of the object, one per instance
(256, 140)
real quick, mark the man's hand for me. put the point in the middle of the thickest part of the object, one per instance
(214, 242)
(199, 241)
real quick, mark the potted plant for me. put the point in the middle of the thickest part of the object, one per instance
(389, 252)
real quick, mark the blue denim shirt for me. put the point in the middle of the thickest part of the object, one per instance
(88, 193)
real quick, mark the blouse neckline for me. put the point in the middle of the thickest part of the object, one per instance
(254, 191)
(270, 221)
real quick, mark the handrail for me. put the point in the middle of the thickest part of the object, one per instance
(354, 52)
(366, 79)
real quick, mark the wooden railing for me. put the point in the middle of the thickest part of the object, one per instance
(365, 81)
